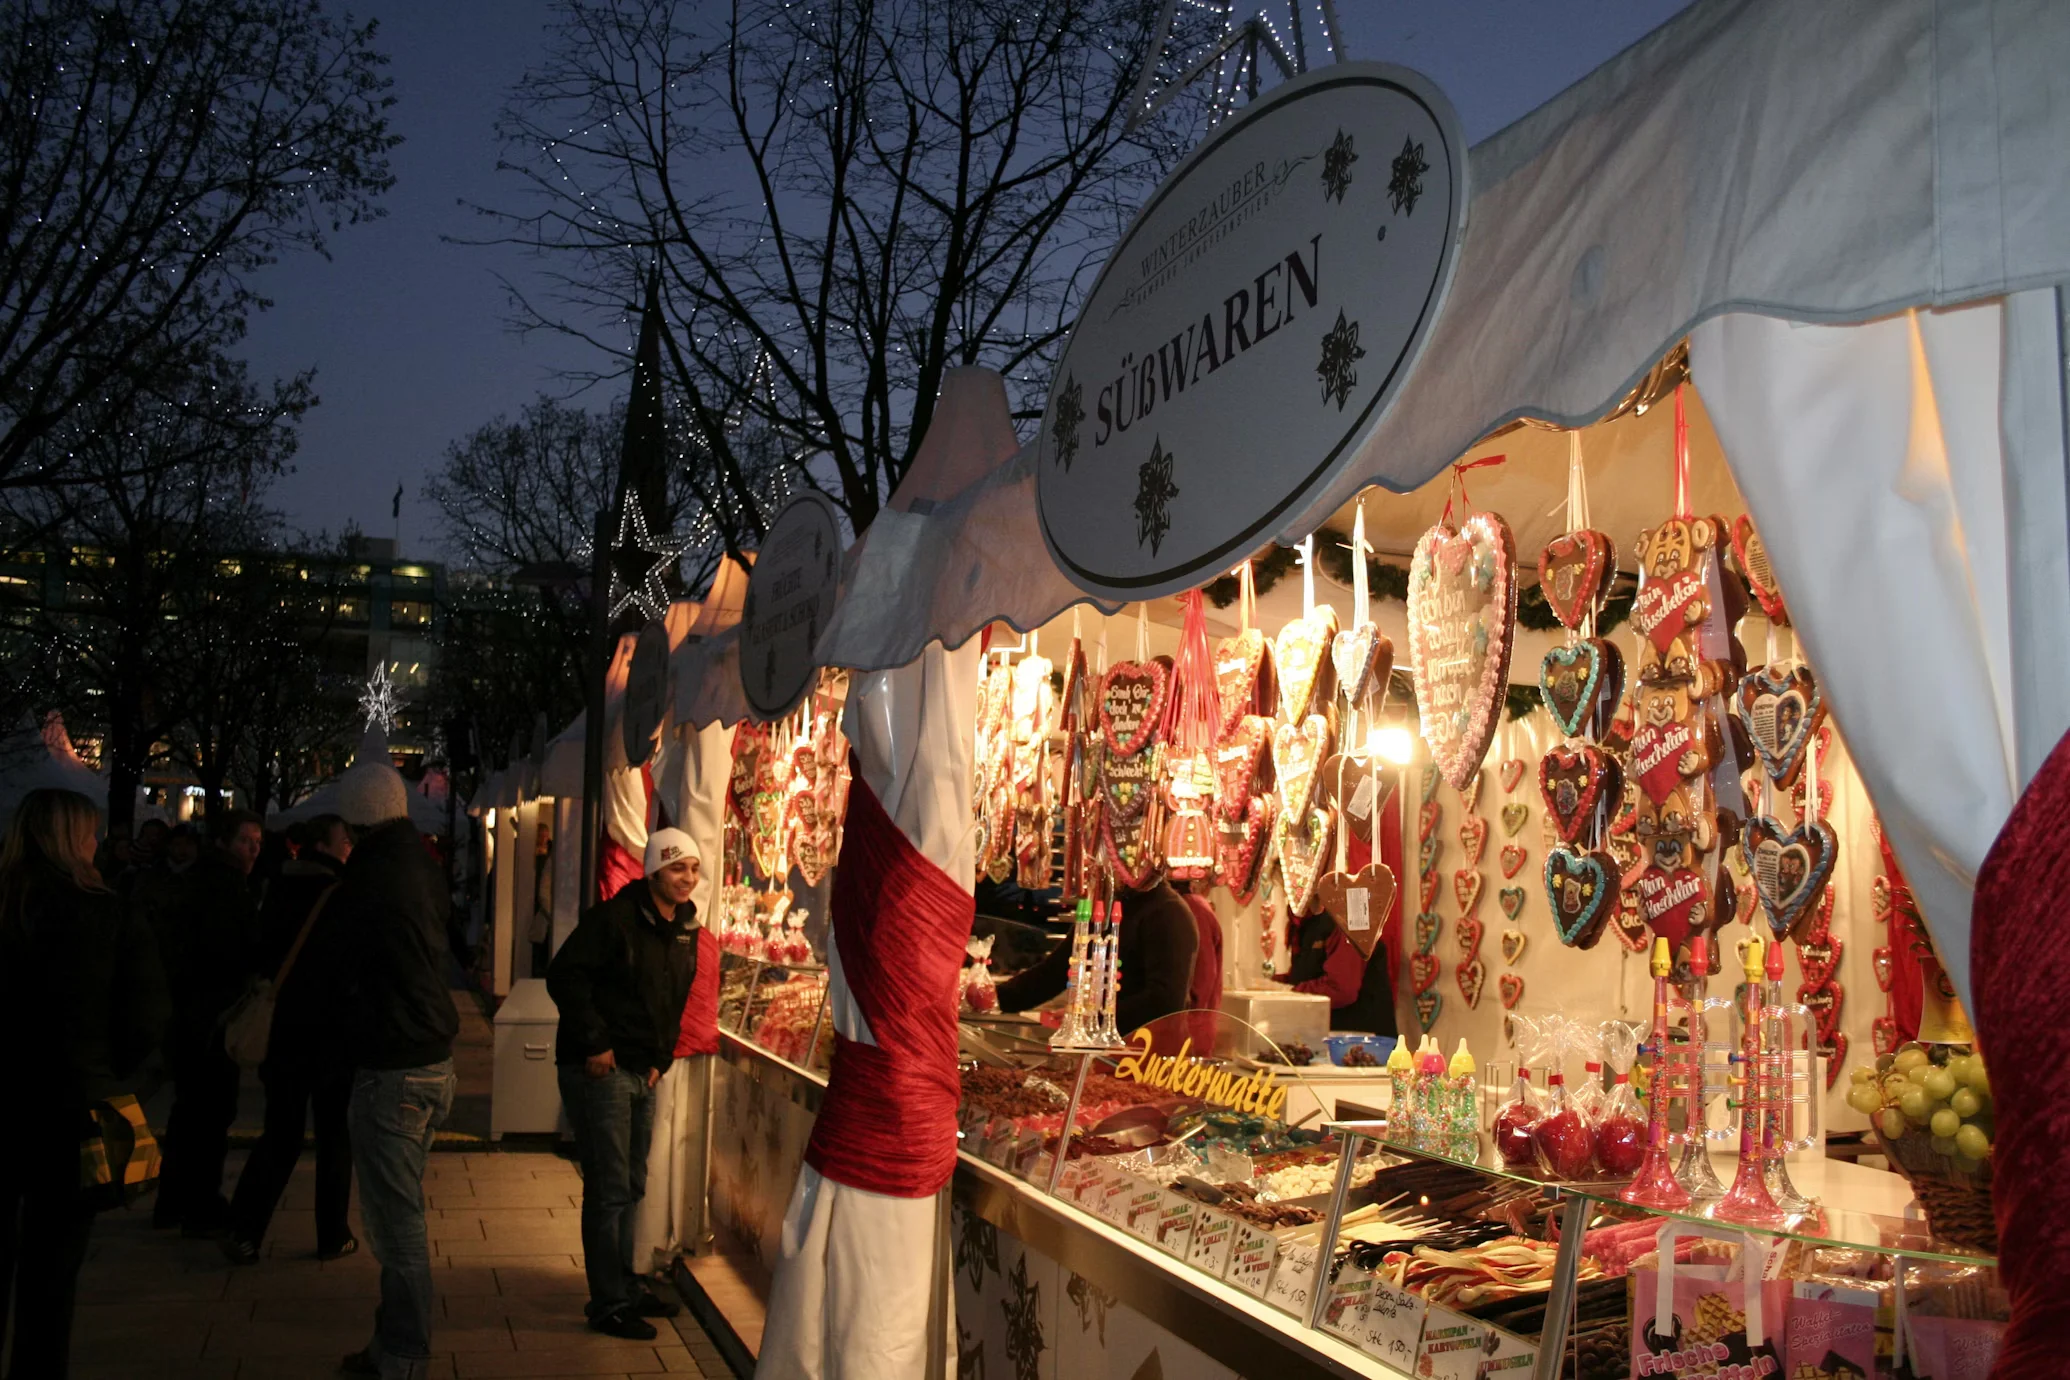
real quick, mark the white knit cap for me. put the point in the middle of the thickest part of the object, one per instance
(370, 793)
(665, 846)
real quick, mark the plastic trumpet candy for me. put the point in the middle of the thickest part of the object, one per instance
(1749, 1200)
(1793, 1101)
(1694, 1171)
(1078, 987)
(1674, 1069)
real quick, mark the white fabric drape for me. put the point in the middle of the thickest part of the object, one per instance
(861, 1278)
(670, 1221)
(1907, 476)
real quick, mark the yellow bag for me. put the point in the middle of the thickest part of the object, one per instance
(118, 1156)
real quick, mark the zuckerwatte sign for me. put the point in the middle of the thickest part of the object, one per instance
(1250, 329)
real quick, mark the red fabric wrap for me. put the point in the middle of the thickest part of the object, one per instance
(888, 1124)
(699, 1033)
(2019, 956)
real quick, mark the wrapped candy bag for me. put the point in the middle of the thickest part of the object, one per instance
(797, 949)
(1588, 1095)
(1621, 1123)
(1565, 1141)
(979, 992)
(1515, 1118)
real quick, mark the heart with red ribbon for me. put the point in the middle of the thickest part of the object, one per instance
(1462, 624)
(1239, 664)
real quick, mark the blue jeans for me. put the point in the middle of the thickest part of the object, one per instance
(393, 1115)
(613, 1117)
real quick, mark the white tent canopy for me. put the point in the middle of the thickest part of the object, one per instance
(428, 815)
(38, 757)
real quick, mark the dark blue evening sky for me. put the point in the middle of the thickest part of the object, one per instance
(408, 333)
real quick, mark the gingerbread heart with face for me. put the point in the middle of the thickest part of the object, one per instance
(1133, 698)
(1510, 988)
(1574, 574)
(1297, 752)
(1462, 623)
(1573, 781)
(1304, 842)
(1582, 890)
(1782, 710)
(1240, 765)
(1361, 922)
(1790, 867)
(1580, 684)
(1363, 657)
(1470, 977)
(1239, 666)
(1752, 554)
(1241, 847)
(1300, 654)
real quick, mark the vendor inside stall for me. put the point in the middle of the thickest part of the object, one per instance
(1158, 941)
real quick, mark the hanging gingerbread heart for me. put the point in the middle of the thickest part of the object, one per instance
(1427, 853)
(1130, 783)
(1349, 785)
(1582, 890)
(1473, 837)
(1466, 889)
(1824, 1002)
(1818, 959)
(1580, 683)
(1360, 921)
(1669, 607)
(1299, 656)
(1512, 772)
(1782, 710)
(1363, 657)
(1462, 622)
(1428, 1005)
(1674, 902)
(1240, 762)
(1630, 924)
(1427, 815)
(1241, 849)
(1239, 665)
(1573, 780)
(1881, 963)
(1431, 777)
(1574, 573)
(1663, 756)
(1470, 977)
(1470, 793)
(1513, 817)
(1133, 698)
(1304, 843)
(1297, 751)
(1512, 899)
(1427, 888)
(1428, 926)
(1423, 971)
(1132, 851)
(1883, 1036)
(1753, 563)
(1514, 856)
(1511, 989)
(1513, 945)
(1790, 867)
(1467, 934)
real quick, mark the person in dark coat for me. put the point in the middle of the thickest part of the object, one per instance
(308, 1068)
(621, 982)
(82, 1005)
(1159, 938)
(210, 943)
(1325, 962)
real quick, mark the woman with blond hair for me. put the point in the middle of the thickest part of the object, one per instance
(82, 1004)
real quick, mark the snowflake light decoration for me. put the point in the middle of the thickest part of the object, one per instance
(379, 702)
(1337, 161)
(1063, 430)
(639, 562)
(1405, 184)
(1341, 353)
(1154, 494)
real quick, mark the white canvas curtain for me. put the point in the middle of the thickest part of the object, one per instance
(861, 1280)
(1907, 476)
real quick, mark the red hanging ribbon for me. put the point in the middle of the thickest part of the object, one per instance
(1459, 469)
(1681, 455)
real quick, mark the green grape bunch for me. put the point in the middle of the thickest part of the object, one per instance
(1940, 1092)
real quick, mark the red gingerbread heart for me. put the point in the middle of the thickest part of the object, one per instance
(1239, 665)
(1573, 780)
(1817, 959)
(1668, 608)
(1573, 573)
(1466, 889)
(1663, 756)
(1133, 698)
(1467, 933)
(1240, 764)
(1470, 977)
(1473, 837)
(1427, 887)
(1513, 858)
(1883, 1036)
(1131, 850)
(1753, 563)
(1511, 988)
(1630, 923)
(1512, 772)
(1880, 961)
(1427, 815)
(1423, 972)
(1824, 1002)
(1674, 903)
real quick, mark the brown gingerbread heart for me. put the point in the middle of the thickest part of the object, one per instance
(1427, 815)
(1675, 903)
(1753, 563)
(1363, 657)
(1303, 844)
(1470, 977)
(1574, 574)
(1467, 934)
(1133, 696)
(1361, 921)
(1473, 837)
(1297, 754)
(1132, 850)
(1300, 654)
(1462, 624)
(1572, 781)
(1466, 889)
(1347, 784)
(1665, 755)
(1241, 848)
(1240, 765)
(1511, 989)
(1239, 665)
(1817, 959)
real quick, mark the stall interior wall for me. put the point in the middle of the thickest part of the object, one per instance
(758, 1143)
(1020, 1314)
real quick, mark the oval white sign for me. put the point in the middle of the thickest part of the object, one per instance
(790, 599)
(1250, 329)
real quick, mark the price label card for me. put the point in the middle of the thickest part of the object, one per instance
(1393, 1326)
(1251, 1258)
(1140, 1211)
(1361, 803)
(1175, 1223)
(1067, 1182)
(1293, 1283)
(1358, 910)
(1114, 1196)
(1085, 1191)
(1452, 1346)
(1208, 1249)
(1512, 1357)
(1344, 1312)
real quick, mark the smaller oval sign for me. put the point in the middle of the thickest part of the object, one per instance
(1250, 329)
(790, 599)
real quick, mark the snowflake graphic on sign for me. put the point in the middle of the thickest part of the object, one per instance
(1337, 161)
(1154, 494)
(1063, 431)
(379, 702)
(1406, 184)
(1340, 356)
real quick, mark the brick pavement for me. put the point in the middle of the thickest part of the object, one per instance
(507, 1253)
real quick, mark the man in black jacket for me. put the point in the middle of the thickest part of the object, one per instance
(620, 983)
(392, 904)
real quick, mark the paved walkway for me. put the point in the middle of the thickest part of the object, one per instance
(508, 1256)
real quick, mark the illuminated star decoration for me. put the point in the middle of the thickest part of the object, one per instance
(1154, 494)
(1063, 431)
(639, 561)
(1340, 356)
(378, 701)
(1337, 161)
(1407, 182)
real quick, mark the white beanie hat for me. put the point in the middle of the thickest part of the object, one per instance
(370, 793)
(665, 846)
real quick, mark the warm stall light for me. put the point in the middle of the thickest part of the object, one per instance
(1391, 744)
(490, 818)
